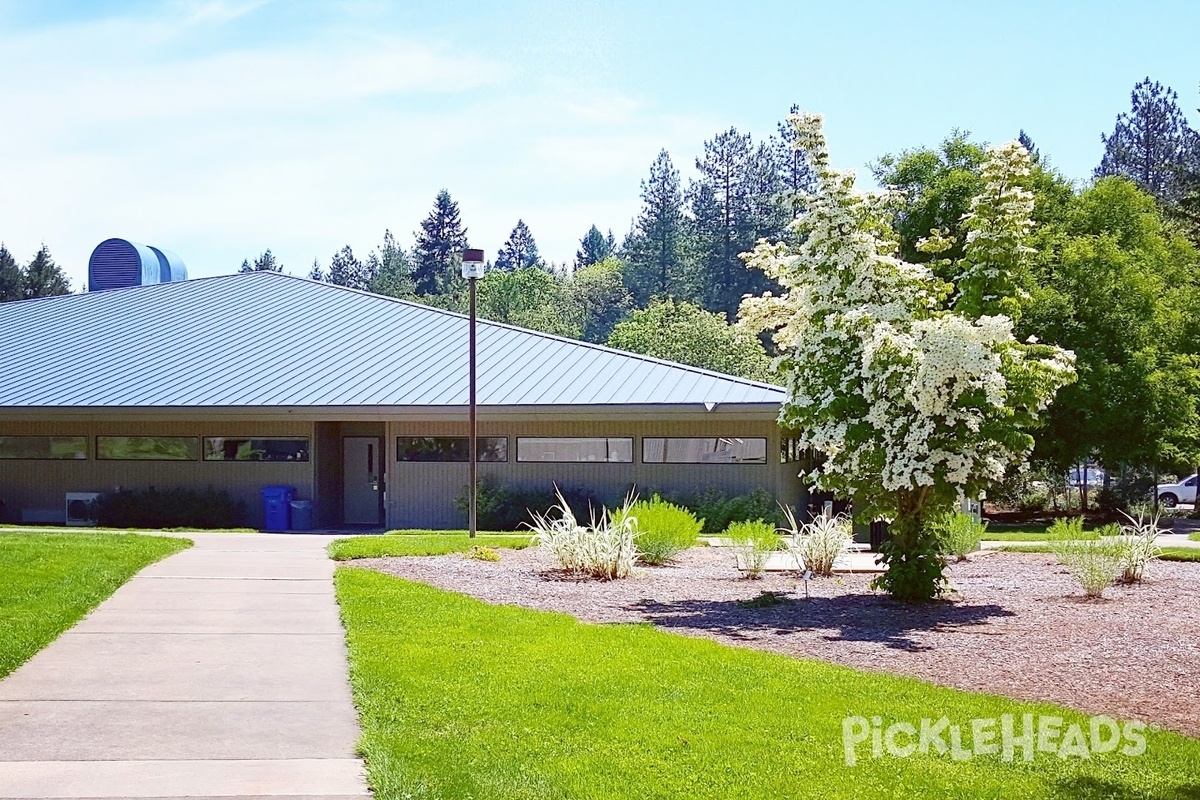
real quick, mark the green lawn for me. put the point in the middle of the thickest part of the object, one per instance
(421, 543)
(1195, 537)
(460, 699)
(49, 581)
(1006, 535)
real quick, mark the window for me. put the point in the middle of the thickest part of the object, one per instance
(44, 447)
(617, 450)
(790, 450)
(266, 448)
(450, 448)
(691, 450)
(148, 448)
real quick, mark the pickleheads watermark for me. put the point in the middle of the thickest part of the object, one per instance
(1008, 736)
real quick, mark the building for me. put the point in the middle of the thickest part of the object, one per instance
(356, 400)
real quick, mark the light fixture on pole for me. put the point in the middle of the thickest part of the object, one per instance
(472, 270)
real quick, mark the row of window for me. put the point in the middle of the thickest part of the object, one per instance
(156, 448)
(588, 449)
(580, 449)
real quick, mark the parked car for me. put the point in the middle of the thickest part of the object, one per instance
(1172, 494)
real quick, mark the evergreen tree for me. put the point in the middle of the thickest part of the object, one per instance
(346, 270)
(721, 208)
(519, 251)
(439, 246)
(654, 250)
(1027, 142)
(264, 263)
(316, 273)
(796, 175)
(392, 269)
(44, 278)
(12, 281)
(594, 247)
(1150, 144)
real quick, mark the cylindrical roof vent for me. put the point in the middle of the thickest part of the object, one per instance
(118, 263)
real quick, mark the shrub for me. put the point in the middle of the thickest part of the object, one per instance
(663, 530)
(1138, 546)
(717, 510)
(170, 508)
(961, 534)
(754, 542)
(817, 545)
(508, 508)
(1093, 560)
(603, 549)
(479, 553)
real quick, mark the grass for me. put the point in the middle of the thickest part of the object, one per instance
(460, 699)
(1015, 536)
(51, 580)
(9, 528)
(421, 543)
(1195, 537)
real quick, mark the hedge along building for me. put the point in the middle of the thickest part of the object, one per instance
(356, 400)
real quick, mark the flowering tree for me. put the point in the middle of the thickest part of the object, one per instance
(913, 390)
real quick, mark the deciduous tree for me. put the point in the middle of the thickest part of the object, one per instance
(910, 404)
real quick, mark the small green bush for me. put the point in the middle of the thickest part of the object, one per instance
(718, 510)
(754, 542)
(479, 553)
(664, 530)
(499, 507)
(171, 508)
(961, 534)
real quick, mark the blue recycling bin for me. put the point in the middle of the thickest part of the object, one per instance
(277, 507)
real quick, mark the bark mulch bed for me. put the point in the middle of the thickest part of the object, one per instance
(1016, 624)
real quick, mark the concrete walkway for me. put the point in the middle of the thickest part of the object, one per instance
(218, 672)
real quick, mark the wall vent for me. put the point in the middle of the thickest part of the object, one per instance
(118, 263)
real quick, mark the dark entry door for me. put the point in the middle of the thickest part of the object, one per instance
(362, 473)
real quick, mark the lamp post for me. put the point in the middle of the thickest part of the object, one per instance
(472, 268)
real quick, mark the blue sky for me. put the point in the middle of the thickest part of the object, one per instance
(219, 128)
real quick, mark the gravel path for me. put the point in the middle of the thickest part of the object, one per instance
(1017, 625)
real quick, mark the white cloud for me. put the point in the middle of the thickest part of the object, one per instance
(154, 129)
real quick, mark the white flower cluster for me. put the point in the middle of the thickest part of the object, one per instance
(895, 390)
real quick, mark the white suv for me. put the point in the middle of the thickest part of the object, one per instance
(1171, 494)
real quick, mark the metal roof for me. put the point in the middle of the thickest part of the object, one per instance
(263, 339)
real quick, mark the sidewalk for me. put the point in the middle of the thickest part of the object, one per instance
(220, 671)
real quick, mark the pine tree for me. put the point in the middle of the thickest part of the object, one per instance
(346, 270)
(1150, 143)
(721, 208)
(654, 250)
(264, 263)
(12, 281)
(519, 251)
(795, 173)
(1027, 142)
(439, 246)
(44, 278)
(316, 273)
(392, 269)
(594, 247)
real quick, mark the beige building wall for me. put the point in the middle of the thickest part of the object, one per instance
(422, 494)
(43, 484)
(419, 495)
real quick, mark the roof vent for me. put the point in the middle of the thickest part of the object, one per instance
(118, 263)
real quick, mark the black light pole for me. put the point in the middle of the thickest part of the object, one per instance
(472, 268)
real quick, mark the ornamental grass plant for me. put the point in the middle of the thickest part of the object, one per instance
(818, 544)
(602, 549)
(1093, 558)
(962, 534)
(754, 542)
